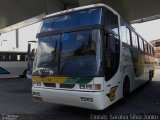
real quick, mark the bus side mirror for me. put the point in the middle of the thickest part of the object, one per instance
(29, 50)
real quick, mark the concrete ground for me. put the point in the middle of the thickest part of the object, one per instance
(16, 102)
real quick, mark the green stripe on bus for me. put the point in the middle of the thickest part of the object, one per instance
(71, 80)
(84, 80)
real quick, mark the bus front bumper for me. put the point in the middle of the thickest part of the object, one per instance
(90, 100)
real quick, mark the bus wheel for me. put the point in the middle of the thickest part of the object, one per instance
(126, 89)
(24, 74)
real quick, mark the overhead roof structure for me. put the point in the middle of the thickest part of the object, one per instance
(18, 13)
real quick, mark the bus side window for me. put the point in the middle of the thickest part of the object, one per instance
(134, 40)
(128, 36)
(125, 33)
(149, 52)
(10, 58)
(6, 57)
(18, 57)
(141, 44)
(153, 51)
(145, 47)
(22, 57)
(14, 57)
(111, 23)
(1, 57)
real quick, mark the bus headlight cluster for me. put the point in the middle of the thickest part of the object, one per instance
(90, 87)
(87, 87)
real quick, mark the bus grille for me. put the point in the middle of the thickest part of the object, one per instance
(67, 85)
(49, 84)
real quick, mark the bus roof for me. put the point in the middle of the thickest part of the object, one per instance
(20, 52)
(81, 8)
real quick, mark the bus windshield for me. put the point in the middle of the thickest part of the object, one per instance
(72, 54)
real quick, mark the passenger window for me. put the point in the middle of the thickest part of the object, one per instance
(112, 23)
(145, 47)
(6, 57)
(128, 36)
(14, 57)
(149, 50)
(18, 57)
(22, 57)
(134, 40)
(157, 44)
(153, 51)
(1, 57)
(141, 44)
(125, 33)
(10, 58)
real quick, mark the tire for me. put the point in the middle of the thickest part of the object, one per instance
(24, 74)
(126, 90)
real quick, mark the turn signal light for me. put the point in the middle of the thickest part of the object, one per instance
(97, 87)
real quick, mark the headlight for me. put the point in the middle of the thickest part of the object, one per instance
(82, 86)
(89, 87)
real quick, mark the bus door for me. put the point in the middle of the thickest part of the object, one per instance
(112, 54)
(112, 45)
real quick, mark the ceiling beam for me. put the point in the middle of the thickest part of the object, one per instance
(16, 11)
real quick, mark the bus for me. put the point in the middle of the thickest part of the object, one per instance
(13, 64)
(89, 57)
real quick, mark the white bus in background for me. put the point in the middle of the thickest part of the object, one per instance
(13, 64)
(89, 57)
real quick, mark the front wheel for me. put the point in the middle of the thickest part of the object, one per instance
(24, 74)
(126, 90)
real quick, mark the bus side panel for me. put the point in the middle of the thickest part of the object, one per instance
(15, 68)
(138, 68)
